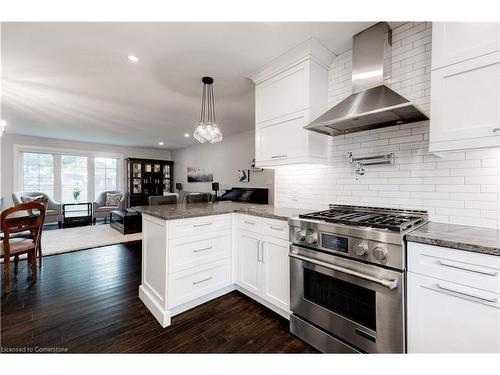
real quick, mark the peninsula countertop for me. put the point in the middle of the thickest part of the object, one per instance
(184, 211)
(475, 239)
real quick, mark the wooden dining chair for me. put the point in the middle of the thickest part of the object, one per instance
(26, 217)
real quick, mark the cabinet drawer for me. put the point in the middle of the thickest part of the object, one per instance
(452, 318)
(185, 286)
(249, 223)
(275, 228)
(481, 271)
(199, 225)
(199, 250)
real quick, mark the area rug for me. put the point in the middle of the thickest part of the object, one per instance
(57, 241)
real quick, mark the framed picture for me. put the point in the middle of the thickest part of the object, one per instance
(148, 168)
(199, 175)
(244, 175)
(157, 168)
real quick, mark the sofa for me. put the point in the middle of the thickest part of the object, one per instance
(99, 208)
(53, 214)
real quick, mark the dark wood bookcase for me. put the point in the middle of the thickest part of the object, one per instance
(147, 177)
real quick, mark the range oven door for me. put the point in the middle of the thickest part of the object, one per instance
(361, 304)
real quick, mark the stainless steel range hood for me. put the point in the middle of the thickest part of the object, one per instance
(371, 105)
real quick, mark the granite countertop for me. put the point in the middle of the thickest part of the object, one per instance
(184, 211)
(479, 240)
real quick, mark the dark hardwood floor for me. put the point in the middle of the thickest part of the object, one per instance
(87, 302)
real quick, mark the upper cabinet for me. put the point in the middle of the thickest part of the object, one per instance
(290, 92)
(465, 86)
(454, 42)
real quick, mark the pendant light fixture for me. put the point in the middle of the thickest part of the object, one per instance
(207, 129)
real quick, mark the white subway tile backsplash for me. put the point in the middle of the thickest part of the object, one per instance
(456, 187)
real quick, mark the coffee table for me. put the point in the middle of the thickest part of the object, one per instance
(126, 221)
(76, 214)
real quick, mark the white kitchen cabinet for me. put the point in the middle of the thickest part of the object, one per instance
(290, 92)
(465, 86)
(249, 269)
(453, 300)
(263, 264)
(446, 317)
(276, 272)
(465, 105)
(454, 42)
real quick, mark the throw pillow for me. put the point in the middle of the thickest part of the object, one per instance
(113, 199)
(38, 199)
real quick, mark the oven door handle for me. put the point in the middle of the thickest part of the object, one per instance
(391, 284)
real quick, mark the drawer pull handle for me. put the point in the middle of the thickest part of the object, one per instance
(495, 130)
(448, 289)
(446, 264)
(201, 225)
(204, 249)
(250, 222)
(202, 281)
(278, 156)
(276, 228)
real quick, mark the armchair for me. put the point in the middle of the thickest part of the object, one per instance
(99, 208)
(53, 214)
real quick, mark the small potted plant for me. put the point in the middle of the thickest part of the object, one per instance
(76, 193)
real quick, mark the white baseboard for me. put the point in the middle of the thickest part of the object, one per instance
(163, 316)
(284, 314)
(189, 305)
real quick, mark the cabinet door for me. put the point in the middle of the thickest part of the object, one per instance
(248, 262)
(448, 317)
(453, 42)
(282, 140)
(283, 94)
(465, 105)
(276, 273)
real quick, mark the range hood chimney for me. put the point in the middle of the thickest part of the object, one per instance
(372, 104)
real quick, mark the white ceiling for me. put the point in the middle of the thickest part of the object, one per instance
(73, 80)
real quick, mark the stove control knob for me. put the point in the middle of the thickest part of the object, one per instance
(312, 238)
(379, 253)
(361, 248)
(300, 235)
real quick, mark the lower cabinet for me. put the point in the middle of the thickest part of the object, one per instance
(276, 272)
(445, 317)
(263, 268)
(453, 300)
(249, 269)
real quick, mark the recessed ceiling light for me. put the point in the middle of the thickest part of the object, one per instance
(187, 135)
(133, 58)
(161, 143)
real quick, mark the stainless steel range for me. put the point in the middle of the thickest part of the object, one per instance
(347, 270)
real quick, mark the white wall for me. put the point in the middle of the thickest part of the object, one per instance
(7, 155)
(223, 159)
(458, 188)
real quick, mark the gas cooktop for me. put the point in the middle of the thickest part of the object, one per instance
(383, 218)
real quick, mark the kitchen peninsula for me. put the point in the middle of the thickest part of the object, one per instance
(196, 252)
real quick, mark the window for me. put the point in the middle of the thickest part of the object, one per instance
(105, 175)
(65, 175)
(37, 172)
(74, 178)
